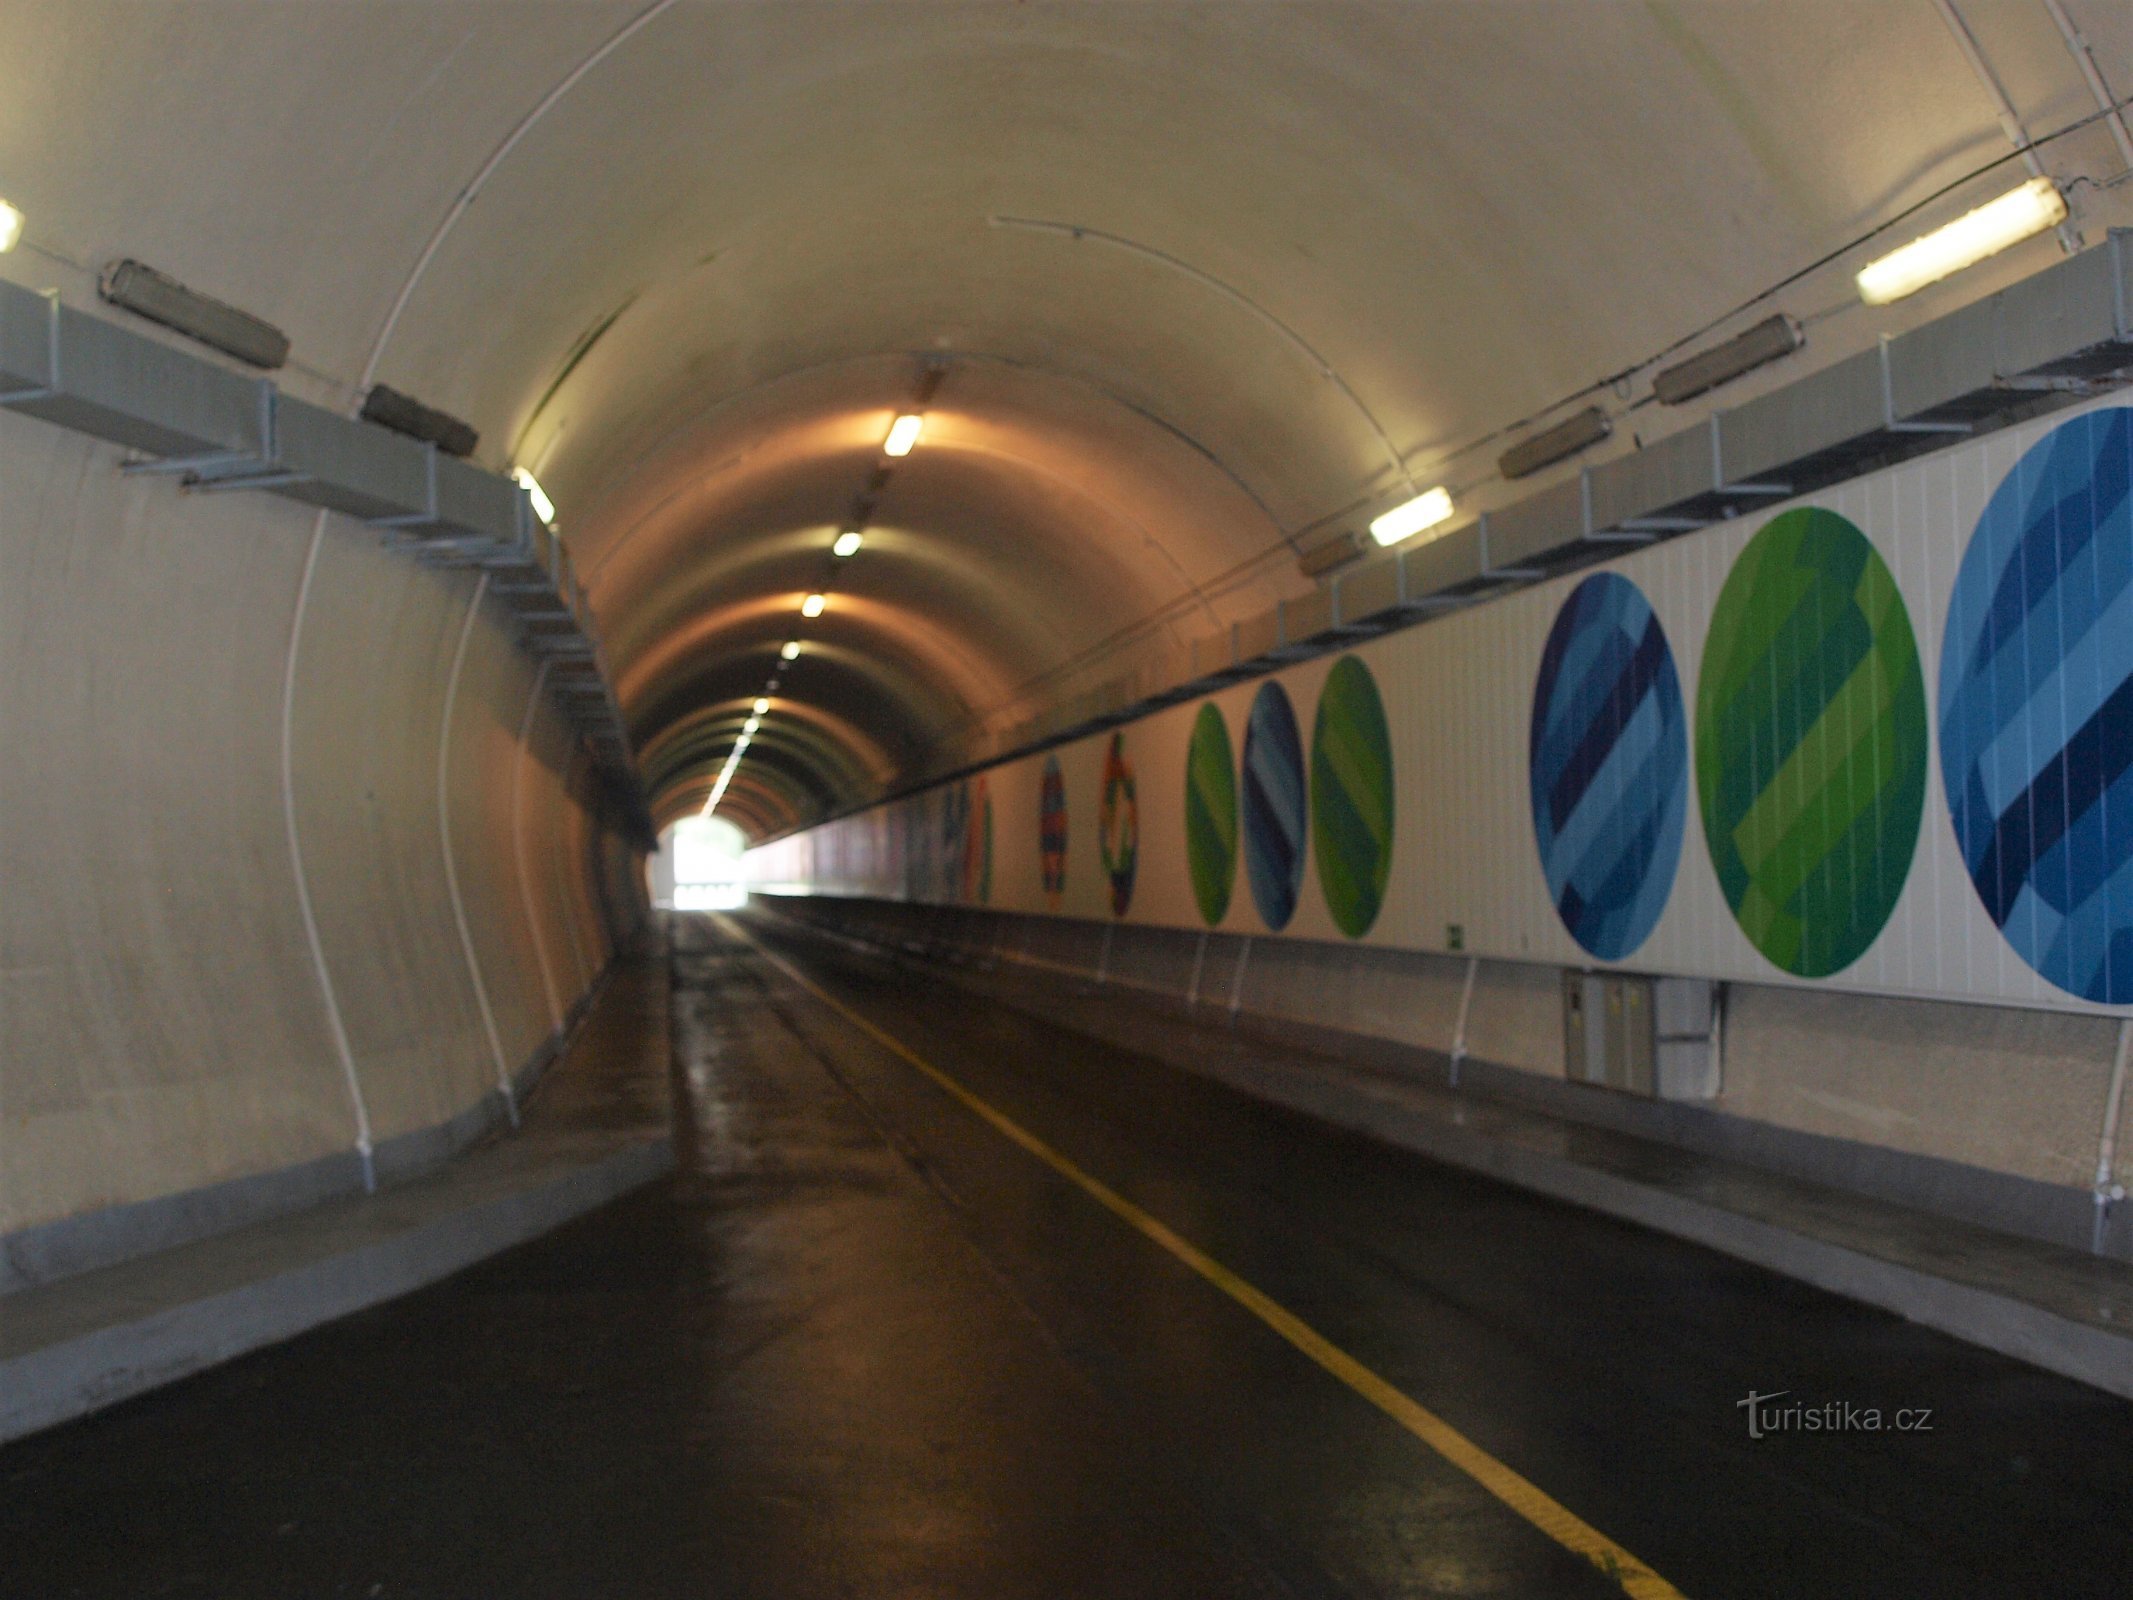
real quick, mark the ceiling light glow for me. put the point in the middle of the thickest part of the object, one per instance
(1969, 239)
(813, 604)
(847, 544)
(903, 434)
(543, 507)
(10, 227)
(762, 704)
(1411, 517)
(791, 652)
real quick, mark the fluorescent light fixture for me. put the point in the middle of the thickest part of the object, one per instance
(1969, 239)
(1411, 517)
(791, 652)
(741, 743)
(10, 227)
(847, 544)
(813, 604)
(903, 434)
(1768, 341)
(762, 704)
(161, 298)
(751, 725)
(1574, 433)
(543, 507)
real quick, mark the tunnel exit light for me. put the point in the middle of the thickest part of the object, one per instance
(10, 227)
(847, 544)
(903, 434)
(1411, 517)
(813, 604)
(791, 652)
(1969, 239)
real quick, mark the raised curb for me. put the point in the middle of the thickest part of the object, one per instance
(70, 1377)
(1996, 1322)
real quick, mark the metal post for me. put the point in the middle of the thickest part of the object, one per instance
(1466, 1006)
(2108, 1188)
(451, 867)
(335, 1026)
(518, 848)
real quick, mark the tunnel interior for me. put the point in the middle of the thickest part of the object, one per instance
(894, 454)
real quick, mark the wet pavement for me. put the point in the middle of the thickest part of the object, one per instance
(866, 1345)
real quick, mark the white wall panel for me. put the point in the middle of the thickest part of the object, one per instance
(1458, 695)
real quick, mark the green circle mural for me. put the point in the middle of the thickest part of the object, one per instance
(1811, 742)
(1351, 797)
(1211, 813)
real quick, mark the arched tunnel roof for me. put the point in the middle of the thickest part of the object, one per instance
(1189, 285)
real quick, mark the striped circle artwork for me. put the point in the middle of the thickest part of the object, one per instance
(1273, 805)
(2036, 707)
(1211, 813)
(1118, 826)
(1052, 832)
(1811, 742)
(1608, 766)
(1351, 796)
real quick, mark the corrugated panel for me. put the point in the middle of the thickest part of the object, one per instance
(1823, 410)
(1215, 652)
(1664, 473)
(1257, 636)
(2079, 304)
(1369, 591)
(1306, 617)
(347, 467)
(1448, 563)
(1947, 358)
(1536, 529)
(147, 396)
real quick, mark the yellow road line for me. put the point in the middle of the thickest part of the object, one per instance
(1557, 1521)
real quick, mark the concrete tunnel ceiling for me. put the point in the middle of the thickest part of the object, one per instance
(1202, 283)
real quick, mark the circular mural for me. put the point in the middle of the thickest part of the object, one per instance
(1118, 826)
(2036, 707)
(1052, 831)
(1273, 806)
(1211, 813)
(1351, 796)
(1608, 766)
(1810, 742)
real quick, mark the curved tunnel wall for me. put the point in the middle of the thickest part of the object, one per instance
(1861, 757)
(167, 1027)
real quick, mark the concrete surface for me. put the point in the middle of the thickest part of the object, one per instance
(864, 1344)
(596, 1130)
(2063, 1310)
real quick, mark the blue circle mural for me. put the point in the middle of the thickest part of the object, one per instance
(1608, 766)
(2036, 707)
(1273, 805)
